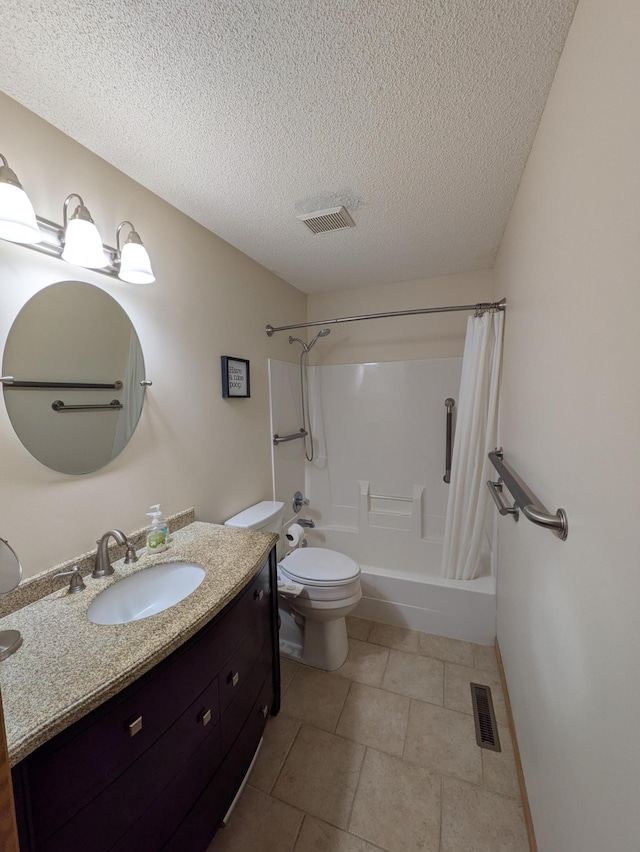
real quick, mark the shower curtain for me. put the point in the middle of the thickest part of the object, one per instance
(476, 428)
(129, 414)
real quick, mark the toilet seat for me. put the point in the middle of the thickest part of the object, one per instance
(317, 566)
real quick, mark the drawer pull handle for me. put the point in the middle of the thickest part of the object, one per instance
(233, 678)
(135, 727)
(204, 717)
(258, 595)
(264, 711)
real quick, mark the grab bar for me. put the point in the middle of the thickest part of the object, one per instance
(114, 405)
(281, 439)
(10, 382)
(495, 489)
(531, 507)
(449, 403)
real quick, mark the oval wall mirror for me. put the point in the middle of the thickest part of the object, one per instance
(76, 364)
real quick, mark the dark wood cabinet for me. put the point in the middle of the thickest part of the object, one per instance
(157, 766)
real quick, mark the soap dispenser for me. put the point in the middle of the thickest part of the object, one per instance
(157, 534)
(165, 525)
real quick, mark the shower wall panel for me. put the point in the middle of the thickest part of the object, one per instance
(287, 459)
(383, 424)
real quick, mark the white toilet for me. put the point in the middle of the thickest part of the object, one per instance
(317, 588)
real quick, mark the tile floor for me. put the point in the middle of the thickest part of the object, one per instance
(382, 755)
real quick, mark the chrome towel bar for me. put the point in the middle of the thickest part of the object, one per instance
(114, 405)
(10, 382)
(525, 500)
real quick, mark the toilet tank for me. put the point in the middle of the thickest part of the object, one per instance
(265, 516)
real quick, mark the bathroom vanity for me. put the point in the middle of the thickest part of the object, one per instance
(157, 765)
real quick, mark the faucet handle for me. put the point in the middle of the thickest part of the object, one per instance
(131, 555)
(76, 584)
(299, 500)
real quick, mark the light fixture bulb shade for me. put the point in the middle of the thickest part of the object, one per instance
(135, 265)
(17, 217)
(83, 246)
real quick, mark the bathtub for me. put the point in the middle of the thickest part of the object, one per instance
(407, 592)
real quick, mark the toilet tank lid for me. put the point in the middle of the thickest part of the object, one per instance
(320, 565)
(256, 516)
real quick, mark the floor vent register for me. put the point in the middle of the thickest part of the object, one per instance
(484, 717)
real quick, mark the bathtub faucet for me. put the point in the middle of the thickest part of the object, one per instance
(306, 522)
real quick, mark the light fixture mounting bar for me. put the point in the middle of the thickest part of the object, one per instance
(51, 245)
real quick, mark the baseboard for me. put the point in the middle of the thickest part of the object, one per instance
(516, 751)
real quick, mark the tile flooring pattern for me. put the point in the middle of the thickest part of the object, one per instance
(382, 755)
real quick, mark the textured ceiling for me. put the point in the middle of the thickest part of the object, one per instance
(416, 115)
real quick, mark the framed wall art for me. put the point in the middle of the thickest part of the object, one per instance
(235, 377)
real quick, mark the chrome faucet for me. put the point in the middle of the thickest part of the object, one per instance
(103, 566)
(306, 522)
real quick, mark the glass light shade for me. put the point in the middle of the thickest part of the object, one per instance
(135, 265)
(17, 217)
(83, 246)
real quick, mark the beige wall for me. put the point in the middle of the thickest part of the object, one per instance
(191, 446)
(569, 265)
(401, 338)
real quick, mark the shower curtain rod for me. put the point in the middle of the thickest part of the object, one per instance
(480, 307)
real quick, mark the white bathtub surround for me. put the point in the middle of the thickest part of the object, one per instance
(287, 459)
(458, 609)
(376, 487)
(467, 527)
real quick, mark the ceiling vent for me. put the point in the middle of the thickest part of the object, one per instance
(333, 219)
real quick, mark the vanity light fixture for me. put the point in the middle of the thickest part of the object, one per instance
(135, 265)
(82, 241)
(77, 240)
(17, 216)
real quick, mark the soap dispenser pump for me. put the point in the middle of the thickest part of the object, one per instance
(158, 532)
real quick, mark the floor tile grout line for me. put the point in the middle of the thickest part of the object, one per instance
(291, 679)
(288, 752)
(441, 811)
(355, 791)
(299, 832)
(406, 733)
(344, 704)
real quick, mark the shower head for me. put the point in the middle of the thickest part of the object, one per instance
(323, 333)
(307, 346)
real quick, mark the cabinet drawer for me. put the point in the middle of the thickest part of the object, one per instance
(99, 748)
(253, 606)
(102, 821)
(197, 830)
(236, 669)
(239, 708)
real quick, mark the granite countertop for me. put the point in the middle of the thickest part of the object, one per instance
(68, 666)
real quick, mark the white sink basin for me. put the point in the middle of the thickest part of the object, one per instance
(145, 593)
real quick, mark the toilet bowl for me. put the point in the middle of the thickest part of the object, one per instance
(317, 588)
(330, 590)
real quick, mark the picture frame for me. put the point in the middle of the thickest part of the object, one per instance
(235, 377)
